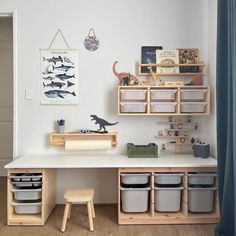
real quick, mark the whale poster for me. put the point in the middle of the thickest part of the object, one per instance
(59, 76)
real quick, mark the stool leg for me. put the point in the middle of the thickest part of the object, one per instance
(89, 208)
(69, 211)
(93, 211)
(66, 211)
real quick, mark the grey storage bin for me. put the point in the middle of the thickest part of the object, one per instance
(163, 107)
(201, 199)
(135, 199)
(201, 150)
(168, 179)
(133, 95)
(27, 208)
(26, 194)
(168, 199)
(133, 107)
(201, 178)
(135, 178)
(191, 107)
(193, 94)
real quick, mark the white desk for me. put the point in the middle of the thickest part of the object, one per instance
(47, 164)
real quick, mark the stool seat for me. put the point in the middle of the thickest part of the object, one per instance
(82, 195)
(79, 195)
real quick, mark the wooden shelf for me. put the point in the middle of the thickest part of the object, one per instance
(58, 140)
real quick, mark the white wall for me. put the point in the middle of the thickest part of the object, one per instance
(122, 27)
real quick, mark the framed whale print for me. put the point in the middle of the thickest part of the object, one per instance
(59, 76)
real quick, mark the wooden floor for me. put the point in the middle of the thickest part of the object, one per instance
(105, 224)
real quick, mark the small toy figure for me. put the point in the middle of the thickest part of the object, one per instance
(170, 118)
(196, 125)
(189, 119)
(192, 140)
(160, 133)
(169, 133)
(182, 140)
(179, 126)
(163, 147)
(102, 123)
(126, 80)
(172, 126)
(176, 133)
(198, 140)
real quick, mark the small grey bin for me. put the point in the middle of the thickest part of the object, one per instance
(201, 178)
(201, 199)
(171, 179)
(137, 178)
(135, 199)
(168, 199)
(27, 194)
(27, 208)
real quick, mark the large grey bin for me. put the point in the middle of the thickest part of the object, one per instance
(168, 199)
(135, 199)
(168, 179)
(201, 178)
(201, 199)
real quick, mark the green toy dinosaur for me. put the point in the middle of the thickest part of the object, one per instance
(102, 123)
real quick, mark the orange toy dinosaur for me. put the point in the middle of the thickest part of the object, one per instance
(122, 75)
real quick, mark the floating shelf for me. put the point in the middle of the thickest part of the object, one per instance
(58, 140)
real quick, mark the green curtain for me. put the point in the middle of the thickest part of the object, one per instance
(226, 116)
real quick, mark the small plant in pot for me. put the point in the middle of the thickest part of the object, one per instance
(61, 126)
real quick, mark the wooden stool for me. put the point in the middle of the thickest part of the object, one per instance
(77, 196)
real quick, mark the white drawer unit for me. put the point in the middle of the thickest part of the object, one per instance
(133, 95)
(163, 107)
(192, 107)
(163, 94)
(193, 94)
(133, 107)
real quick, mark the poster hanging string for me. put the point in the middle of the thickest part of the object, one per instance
(58, 31)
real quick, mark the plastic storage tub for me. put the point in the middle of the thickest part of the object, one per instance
(135, 199)
(163, 95)
(163, 107)
(201, 199)
(27, 208)
(168, 199)
(139, 107)
(191, 107)
(142, 151)
(201, 178)
(27, 194)
(193, 94)
(135, 179)
(133, 95)
(162, 179)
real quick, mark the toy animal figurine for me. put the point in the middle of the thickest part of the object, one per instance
(156, 79)
(126, 80)
(102, 123)
(122, 75)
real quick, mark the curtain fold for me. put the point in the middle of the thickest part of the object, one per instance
(226, 115)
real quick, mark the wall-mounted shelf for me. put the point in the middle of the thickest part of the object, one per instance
(200, 65)
(163, 100)
(58, 140)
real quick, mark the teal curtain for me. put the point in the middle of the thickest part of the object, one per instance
(226, 116)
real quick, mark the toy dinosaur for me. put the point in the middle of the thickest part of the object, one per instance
(122, 75)
(102, 123)
(155, 77)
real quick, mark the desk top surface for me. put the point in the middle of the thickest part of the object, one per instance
(108, 161)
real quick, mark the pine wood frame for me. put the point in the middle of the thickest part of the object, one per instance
(58, 140)
(177, 100)
(48, 198)
(182, 217)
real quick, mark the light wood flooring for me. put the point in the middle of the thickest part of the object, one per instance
(105, 224)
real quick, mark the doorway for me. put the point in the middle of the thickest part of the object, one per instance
(6, 90)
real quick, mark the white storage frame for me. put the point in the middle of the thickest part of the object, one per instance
(181, 217)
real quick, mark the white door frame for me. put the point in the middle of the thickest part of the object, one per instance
(13, 14)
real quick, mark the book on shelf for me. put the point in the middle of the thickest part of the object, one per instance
(148, 56)
(189, 56)
(167, 57)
